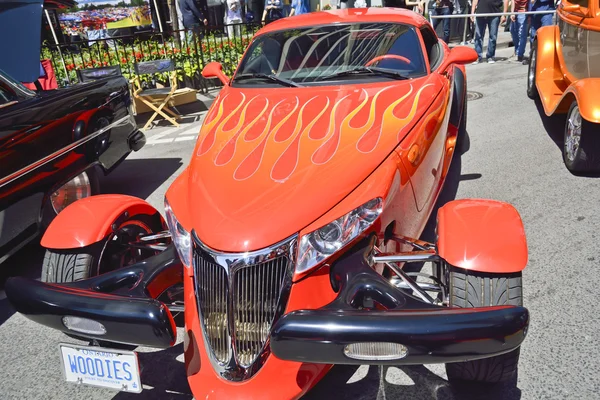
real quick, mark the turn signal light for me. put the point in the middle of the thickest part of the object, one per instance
(76, 189)
(374, 351)
(84, 325)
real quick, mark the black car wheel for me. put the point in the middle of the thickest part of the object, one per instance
(581, 147)
(532, 92)
(469, 289)
(70, 265)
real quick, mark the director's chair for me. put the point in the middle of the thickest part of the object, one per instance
(157, 99)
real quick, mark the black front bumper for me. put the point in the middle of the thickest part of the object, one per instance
(429, 333)
(119, 300)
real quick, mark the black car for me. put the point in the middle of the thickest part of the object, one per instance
(53, 146)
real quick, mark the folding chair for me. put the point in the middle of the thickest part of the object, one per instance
(91, 74)
(157, 99)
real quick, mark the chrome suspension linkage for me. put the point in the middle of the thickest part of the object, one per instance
(156, 236)
(390, 259)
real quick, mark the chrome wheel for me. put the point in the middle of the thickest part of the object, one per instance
(531, 75)
(573, 134)
(532, 92)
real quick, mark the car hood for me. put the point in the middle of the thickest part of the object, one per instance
(268, 162)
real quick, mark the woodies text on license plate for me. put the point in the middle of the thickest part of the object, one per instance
(97, 366)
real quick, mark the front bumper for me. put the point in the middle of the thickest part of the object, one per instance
(429, 333)
(119, 300)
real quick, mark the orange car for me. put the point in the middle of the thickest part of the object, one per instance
(285, 238)
(564, 72)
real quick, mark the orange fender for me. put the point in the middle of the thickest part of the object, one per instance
(586, 92)
(89, 220)
(550, 80)
(482, 235)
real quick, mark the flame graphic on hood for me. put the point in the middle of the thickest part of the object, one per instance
(312, 130)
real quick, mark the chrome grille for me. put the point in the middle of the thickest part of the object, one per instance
(240, 296)
(212, 296)
(255, 299)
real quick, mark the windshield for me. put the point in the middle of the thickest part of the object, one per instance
(15, 85)
(332, 53)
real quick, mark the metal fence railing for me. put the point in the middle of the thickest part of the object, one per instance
(191, 50)
(466, 17)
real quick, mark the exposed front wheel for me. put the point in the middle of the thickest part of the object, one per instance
(70, 265)
(581, 148)
(532, 92)
(469, 289)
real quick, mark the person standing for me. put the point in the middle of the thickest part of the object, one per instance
(539, 20)
(273, 11)
(191, 16)
(492, 23)
(441, 7)
(233, 18)
(518, 27)
(299, 7)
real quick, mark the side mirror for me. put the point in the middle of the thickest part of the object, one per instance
(215, 70)
(459, 55)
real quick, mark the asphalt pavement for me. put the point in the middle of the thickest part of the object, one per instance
(514, 156)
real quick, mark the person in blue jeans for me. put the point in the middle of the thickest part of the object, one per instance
(518, 27)
(441, 7)
(539, 20)
(299, 7)
(492, 23)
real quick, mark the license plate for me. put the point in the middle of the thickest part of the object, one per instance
(97, 366)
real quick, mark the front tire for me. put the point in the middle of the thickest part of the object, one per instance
(62, 266)
(470, 289)
(532, 92)
(71, 265)
(581, 146)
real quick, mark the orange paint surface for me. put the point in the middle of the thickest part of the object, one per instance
(556, 84)
(482, 235)
(89, 220)
(264, 155)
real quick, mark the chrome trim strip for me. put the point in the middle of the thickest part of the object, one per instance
(31, 167)
(232, 263)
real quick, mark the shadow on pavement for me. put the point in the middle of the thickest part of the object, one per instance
(164, 374)
(555, 128)
(26, 262)
(405, 382)
(140, 177)
(554, 125)
(188, 113)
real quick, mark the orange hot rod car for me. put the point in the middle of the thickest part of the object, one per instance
(564, 72)
(285, 239)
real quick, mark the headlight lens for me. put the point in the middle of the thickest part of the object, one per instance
(322, 243)
(181, 237)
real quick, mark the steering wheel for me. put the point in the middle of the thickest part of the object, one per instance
(387, 56)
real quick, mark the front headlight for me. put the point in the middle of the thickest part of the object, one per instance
(181, 237)
(322, 243)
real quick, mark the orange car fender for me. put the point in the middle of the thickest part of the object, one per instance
(482, 235)
(551, 71)
(585, 91)
(89, 220)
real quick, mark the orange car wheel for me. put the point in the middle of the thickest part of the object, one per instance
(532, 92)
(470, 289)
(581, 148)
